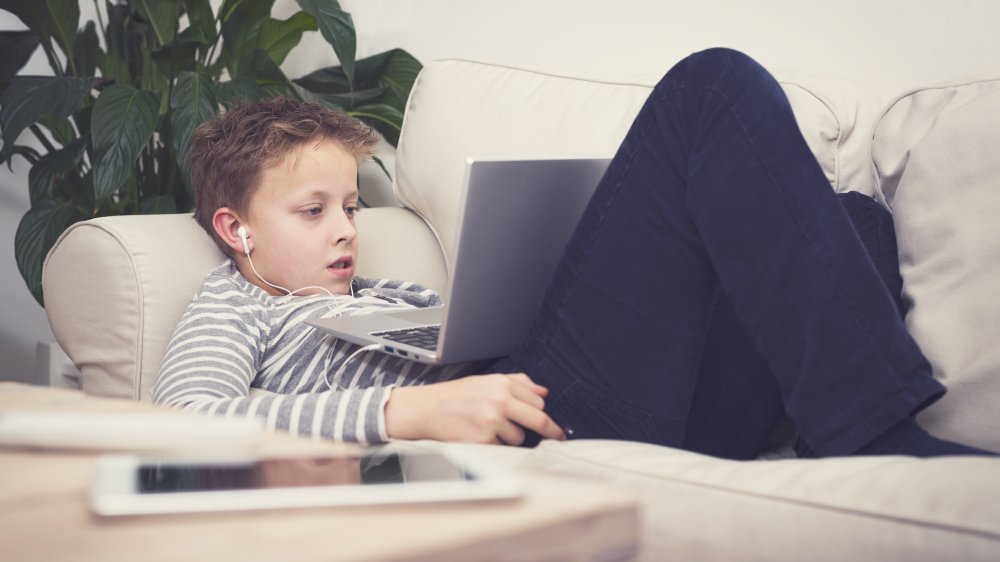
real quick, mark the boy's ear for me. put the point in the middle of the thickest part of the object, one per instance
(226, 223)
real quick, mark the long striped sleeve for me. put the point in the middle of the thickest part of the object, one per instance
(234, 337)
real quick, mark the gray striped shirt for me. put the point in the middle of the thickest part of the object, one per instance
(234, 337)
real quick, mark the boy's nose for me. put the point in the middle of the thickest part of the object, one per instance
(344, 230)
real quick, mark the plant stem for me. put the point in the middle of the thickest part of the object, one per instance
(42, 138)
(100, 22)
(211, 50)
(126, 41)
(53, 60)
(218, 33)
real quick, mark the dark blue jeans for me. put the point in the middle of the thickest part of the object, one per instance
(715, 284)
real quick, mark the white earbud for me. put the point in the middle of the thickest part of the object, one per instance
(242, 233)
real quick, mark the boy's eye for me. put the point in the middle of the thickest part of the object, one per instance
(312, 211)
(351, 210)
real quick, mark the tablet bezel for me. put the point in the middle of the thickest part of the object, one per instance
(114, 488)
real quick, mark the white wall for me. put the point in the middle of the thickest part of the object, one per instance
(891, 45)
(22, 321)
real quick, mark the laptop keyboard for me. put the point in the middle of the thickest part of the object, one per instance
(425, 337)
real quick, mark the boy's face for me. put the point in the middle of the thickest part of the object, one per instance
(301, 221)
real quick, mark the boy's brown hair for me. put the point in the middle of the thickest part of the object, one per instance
(230, 152)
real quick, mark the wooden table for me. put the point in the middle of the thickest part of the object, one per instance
(44, 514)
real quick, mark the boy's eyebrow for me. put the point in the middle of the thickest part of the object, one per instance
(322, 194)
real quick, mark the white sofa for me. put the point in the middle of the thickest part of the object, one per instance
(115, 287)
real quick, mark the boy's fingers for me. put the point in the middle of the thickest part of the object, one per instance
(534, 419)
(535, 387)
(510, 434)
(528, 396)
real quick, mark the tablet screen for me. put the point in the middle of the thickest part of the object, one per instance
(368, 468)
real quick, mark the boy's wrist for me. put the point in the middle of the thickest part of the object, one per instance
(401, 421)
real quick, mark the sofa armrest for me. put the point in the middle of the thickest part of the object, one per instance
(115, 287)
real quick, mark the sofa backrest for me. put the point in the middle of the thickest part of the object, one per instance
(460, 109)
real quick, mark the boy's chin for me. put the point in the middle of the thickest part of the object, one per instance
(335, 290)
(322, 289)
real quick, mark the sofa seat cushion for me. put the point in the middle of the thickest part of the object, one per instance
(460, 109)
(696, 507)
(937, 154)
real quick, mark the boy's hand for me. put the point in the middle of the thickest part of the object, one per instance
(478, 409)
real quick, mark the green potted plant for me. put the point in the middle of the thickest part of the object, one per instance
(115, 118)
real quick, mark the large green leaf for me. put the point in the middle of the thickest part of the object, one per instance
(43, 175)
(201, 21)
(383, 78)
(37, 232)
(382, 86)
(299, 93)
(192, 102)
(337, 28)
(30, 97)
(241, 20)
(400, 72)
(278, 37)
(58, 19)
(161, 15)
(257, 64)
(238, 91)
(328, 80)
(252, 10)
(386, 119)
(122, 123)
(17, 47)
(347, 100)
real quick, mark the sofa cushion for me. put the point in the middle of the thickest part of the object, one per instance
(460, 109)
(935, 151)
(696, 507)
(115, 287)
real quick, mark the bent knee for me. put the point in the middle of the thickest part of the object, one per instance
(719, 68)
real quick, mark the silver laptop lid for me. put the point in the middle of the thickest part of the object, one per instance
(518, 216)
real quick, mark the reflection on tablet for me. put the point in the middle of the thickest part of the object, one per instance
(374, 467)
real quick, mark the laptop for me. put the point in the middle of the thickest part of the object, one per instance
(516, 218)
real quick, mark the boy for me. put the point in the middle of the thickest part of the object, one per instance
(713, 284)
(275, 187)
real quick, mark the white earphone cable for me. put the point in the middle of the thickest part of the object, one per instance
(343, 366)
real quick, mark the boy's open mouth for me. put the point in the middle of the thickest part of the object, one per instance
(343, 266)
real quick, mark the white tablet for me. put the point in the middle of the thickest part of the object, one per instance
(136, 485)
